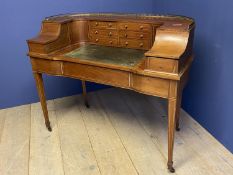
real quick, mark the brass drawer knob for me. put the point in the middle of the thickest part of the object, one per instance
(110, 42)
(110, 24)
(141, 27)
(141, 36)
(141, 44)
(126, 43)
(126, 26)
(110, 34)
(96, 32)
(96, 40)
(96, 24)
(126, 35)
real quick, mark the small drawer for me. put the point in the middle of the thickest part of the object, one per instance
(46, 66)
(103, 24)
(137, 44)
(135, 35)
(104, 41)
(103, 33)
(135, 26)
(161, 65)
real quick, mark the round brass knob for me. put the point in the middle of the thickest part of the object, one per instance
(126, 43)
(96, 32)
(96, 40)
(110, 42)
(141, 44)
(110, 34)
(110, 24)
(126, 26)
(96, 23)
(141, 27)
(141, 36)
(126, 35)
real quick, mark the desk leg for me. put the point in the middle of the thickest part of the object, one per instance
(173, 108)
(41, 93)
(85, 94)
(172, 103)
(179, 99)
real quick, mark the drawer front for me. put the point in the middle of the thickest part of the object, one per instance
(137, 44)
(150, 85)
(103, 25)
(135, 35)
(162, 65)
(97, 74)
(103, 33)
(135, 26)
(46, 66)
(104, 41)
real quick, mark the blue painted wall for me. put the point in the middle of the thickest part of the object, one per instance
(209, 94)
(21, 20)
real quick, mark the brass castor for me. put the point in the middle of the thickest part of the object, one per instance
(170, 167)
(177, 126)
(87, 104)
(48, 126)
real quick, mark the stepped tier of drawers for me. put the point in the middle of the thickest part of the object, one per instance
(121, 34)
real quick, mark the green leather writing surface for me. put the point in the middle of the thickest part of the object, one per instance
(109, 55)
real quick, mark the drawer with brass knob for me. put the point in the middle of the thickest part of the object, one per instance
(103, 33)
(135, 26)
(103, 24)
(137, 44)
(104, 41)
(135, 35)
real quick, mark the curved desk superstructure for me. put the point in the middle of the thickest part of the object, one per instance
(145, 53)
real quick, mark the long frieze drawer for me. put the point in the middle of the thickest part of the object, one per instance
(104, 41)
(46, 66)
(135, 35)
(137, 44)
(103, 25)
(97, 74)
(150, 85)
(105, 33)
(135, 26)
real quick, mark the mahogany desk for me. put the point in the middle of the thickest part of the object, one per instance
(145, 53)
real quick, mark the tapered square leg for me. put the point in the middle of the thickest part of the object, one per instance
(41, 93)
(85, 94)
(174, 101)
(172, 104)
(179, 99)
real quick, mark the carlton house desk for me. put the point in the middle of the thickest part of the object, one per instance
(145, 53)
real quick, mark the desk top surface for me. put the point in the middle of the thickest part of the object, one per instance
(108, 55)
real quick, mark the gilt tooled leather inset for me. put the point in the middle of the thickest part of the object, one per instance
(110, 55)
